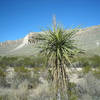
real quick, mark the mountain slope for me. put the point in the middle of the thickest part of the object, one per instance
(87, 39)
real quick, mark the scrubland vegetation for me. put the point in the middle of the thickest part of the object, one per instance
(26, 78)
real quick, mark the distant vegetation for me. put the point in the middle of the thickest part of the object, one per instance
(21, 61)
(92, 61)
(38, 63)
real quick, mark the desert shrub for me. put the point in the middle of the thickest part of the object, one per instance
(28, 62)
(21, 74)
(1, 98)
(8, 61)
(84, 61)
(2, 73)
(2, 78)
(24, 74)
(14, 96)
(95, 61)
(21, 69)
(86, 69)
(3, 67)
(72, 92)
(39, 69)
(97, 72)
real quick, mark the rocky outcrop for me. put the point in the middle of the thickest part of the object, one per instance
(28, 39)
(10, 42)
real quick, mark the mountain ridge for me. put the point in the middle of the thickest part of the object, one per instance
(87, 39)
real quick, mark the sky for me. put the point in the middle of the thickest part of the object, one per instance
(19, 17)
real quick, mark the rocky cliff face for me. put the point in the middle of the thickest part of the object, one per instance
(20, 47)
(11, 42)
(28, 39)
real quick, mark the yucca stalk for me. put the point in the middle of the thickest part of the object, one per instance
(58, 45)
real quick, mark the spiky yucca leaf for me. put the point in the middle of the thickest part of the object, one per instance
(58, 41)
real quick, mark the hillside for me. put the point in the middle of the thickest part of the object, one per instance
(87, 39)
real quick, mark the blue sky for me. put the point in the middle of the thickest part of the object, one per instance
(19, 17)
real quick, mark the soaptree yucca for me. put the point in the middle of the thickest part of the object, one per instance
(58, 45)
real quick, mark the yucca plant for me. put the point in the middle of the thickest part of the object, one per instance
(58, 45)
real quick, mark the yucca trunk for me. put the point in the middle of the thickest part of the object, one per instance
(61, 79)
